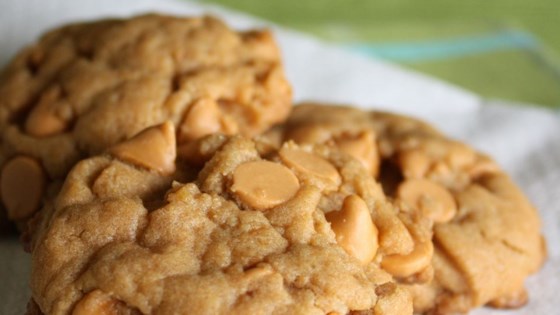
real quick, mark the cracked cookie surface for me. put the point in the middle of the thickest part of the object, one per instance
(122, 238)
(84, 87)
(487, 238)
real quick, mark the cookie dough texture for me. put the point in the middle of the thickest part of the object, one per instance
(84, 87)
(487, 236)
(123, 239)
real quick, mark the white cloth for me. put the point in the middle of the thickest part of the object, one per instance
(525, 141)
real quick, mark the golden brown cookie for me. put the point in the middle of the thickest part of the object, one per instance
(293, 230)
(84, 87)
(487, 238)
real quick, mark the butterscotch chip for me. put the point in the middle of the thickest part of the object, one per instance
(432, 199)
(309, 163)
(22, 184)
(122, 237)
(204, 118)
(43, 121)
(310, 134)
(403, 266)
(352, 135)
(85, 87)
(264, 184)
(414, 163)
(486, 236)
(363, 148)
(153, 148)
(354, 229)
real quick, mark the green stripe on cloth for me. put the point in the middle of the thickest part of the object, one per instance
(501, 48)
(448, 48)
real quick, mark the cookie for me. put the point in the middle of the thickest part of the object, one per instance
(487, 237)
(84, 87)
(260, 230)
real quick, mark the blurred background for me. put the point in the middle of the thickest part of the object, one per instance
(505, 49)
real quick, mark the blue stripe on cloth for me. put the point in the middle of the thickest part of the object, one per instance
(448, 48)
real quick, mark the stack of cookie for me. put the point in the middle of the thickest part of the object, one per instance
(156, 165)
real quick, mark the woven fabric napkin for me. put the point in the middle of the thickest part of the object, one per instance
(524, 140)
